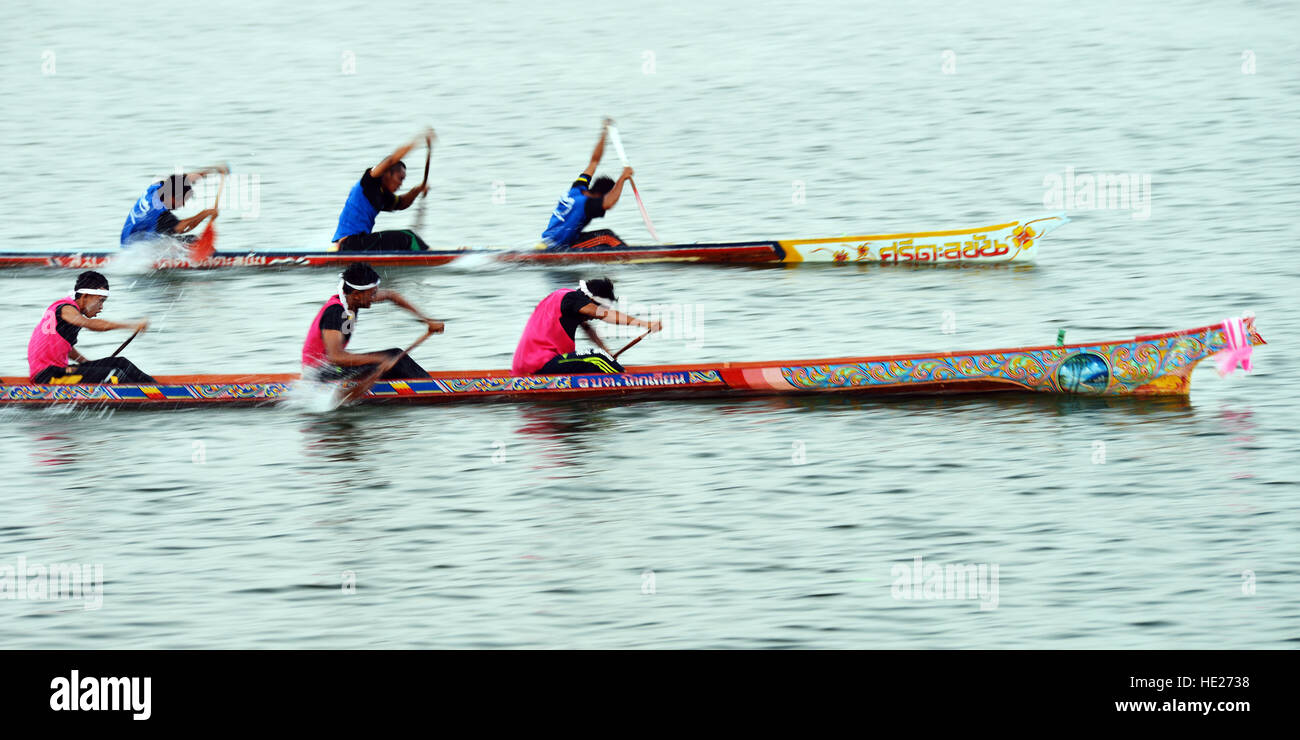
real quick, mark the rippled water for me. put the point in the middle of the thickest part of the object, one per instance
(1113, 523)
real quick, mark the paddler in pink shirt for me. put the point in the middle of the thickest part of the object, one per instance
(547, 346)
(51, 355)
(324, 353)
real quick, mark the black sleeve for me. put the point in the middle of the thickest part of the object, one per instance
(583, 181)
(332, 318)
(65, 329)
(166, 223)
(375, 193)
(571, 306)
(595, 208)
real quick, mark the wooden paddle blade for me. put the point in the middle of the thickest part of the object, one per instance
(348, 395)
(206, 245)
(362, 386)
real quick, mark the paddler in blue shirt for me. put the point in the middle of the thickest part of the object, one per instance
(377, 191)
(584, 201)
(151, 216)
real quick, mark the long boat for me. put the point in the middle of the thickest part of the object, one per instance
(1150, 365)
(1013, 241)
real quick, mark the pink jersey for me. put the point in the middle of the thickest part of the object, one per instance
(47, 347)
(313, 350)
(543, 337)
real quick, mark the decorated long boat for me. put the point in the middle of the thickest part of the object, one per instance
(1014, 241)
(1150, 365)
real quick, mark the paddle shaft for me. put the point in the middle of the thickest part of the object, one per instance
(123, 346)
(428, 157)
(640, 204)
(363, 385)
(419, 212)
(221, 185)
(630, 344)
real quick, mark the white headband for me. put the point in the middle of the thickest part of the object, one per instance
(344, 299)
(582, 286)
(93, 291)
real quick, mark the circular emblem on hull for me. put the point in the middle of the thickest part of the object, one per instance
(1084, 373)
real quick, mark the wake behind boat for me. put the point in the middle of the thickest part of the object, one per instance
(1149, 365)
(1013, 241)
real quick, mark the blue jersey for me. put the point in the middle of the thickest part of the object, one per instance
(366, 199)
(142, 221)
(572, 214)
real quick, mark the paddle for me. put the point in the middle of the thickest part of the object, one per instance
(128, 341)
(419, 211)
(206, 245)
(630, 344)
(357, 391)
(622, 155)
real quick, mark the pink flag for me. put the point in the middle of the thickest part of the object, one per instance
(1238, 350)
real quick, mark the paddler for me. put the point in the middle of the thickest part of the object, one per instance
(377, 191)
(585, 201)
(325, 355)
(547, 345)
(152, 217)
(51, 356)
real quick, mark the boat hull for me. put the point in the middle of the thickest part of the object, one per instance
(1152, 365)
(1015, 241)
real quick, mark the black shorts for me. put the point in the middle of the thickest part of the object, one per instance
(572, 363)
(110, 370)
(601, 239)
(384, 241)
(405, 369)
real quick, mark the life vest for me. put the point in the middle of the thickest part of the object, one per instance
(567, 220)
(313, 349)
(544, 337)
(47, 347)
(358, 215)
(142, 221)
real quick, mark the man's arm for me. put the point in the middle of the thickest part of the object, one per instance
(590, 331)
(400, 152)
(409, 197)
(612, 196)
(397, 299)
(610, 316)
(74, 317)
(336, 354)
(188, 224)
(599, 151)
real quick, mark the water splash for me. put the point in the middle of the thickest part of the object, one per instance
(141, 257)
(311, 397)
